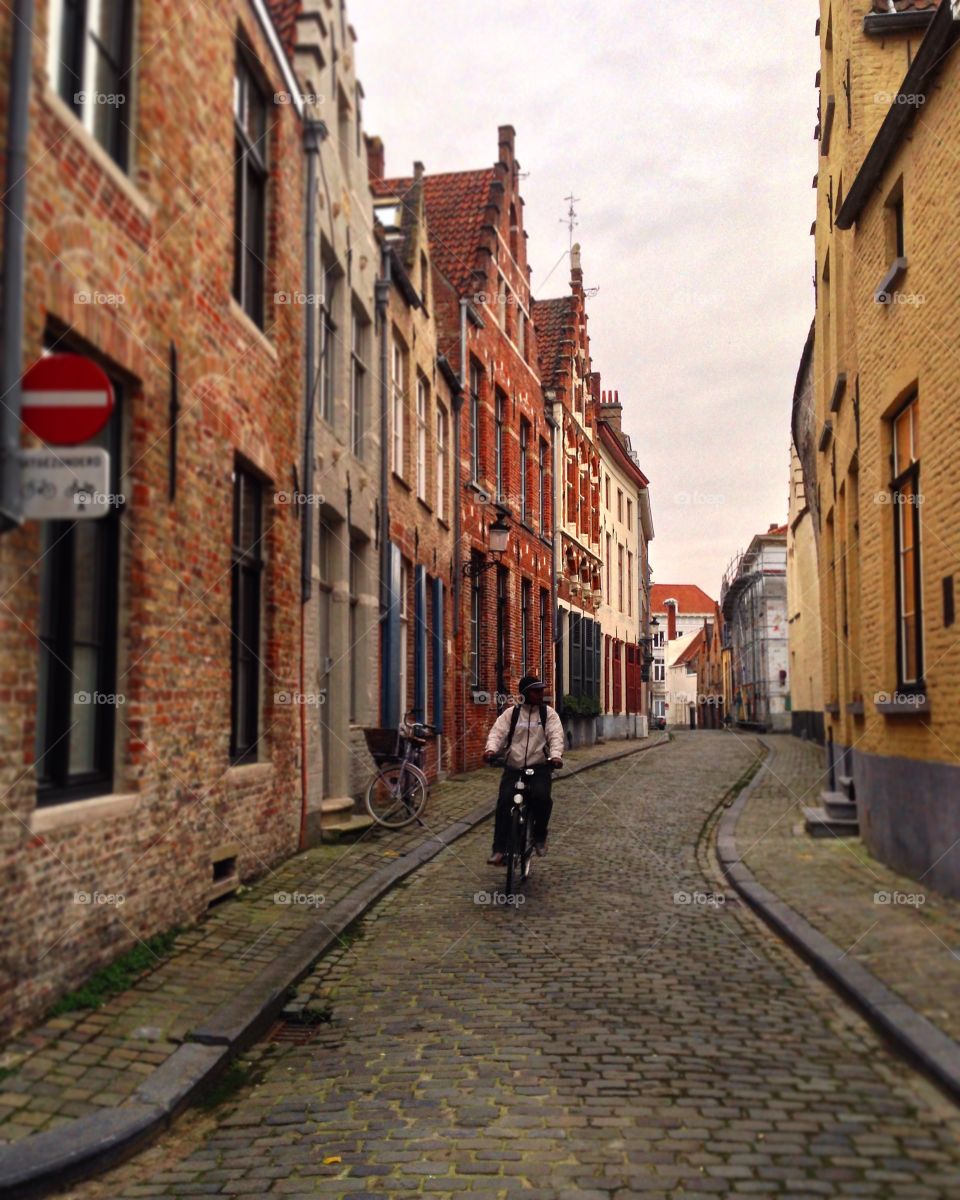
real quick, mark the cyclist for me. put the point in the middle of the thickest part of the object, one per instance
(528, 734)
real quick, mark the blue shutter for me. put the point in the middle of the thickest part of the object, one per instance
(390, 681)
(437, 634)
(420, 643)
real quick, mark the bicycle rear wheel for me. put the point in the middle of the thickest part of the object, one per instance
(397, 795)
(515, 851)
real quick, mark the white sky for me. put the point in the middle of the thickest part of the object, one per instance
(685, 127)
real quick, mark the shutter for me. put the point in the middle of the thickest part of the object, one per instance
(390, 688)
(420, 643)
(437, 633)
(576, 654)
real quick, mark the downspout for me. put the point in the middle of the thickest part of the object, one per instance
(14, 233)
(554, 548)
(382, 296)
(313, 134)
(457, 531)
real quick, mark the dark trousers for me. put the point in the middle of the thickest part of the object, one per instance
(537, 791)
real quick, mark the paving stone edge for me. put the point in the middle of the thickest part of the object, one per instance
(36, 1166)
(917, 1038)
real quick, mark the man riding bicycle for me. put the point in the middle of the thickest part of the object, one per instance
(528, 735)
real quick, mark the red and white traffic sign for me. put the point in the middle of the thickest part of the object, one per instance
(67, 399)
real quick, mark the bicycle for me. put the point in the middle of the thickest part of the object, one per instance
(520, 846)
(398, 790)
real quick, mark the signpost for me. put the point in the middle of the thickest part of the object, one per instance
(65, 485)
(67, 399)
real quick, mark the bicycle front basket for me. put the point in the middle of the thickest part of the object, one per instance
(383, 744)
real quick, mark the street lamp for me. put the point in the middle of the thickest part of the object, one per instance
(499, 534)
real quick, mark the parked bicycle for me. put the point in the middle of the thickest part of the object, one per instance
(398, 790)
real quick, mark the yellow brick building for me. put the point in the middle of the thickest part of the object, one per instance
(886, 371)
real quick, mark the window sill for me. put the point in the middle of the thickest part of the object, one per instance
(425, 505)
(856, 708)
(83, 812)
(832, 709)
(402, 482)
(248, 772)
(902, 704)
(887, 286)
(444, 522)
(239, 313)
(65, 114)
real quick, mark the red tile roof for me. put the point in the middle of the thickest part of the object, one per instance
(696, 643)
(553, 320)
(689, 598)
(881, 6)
(456, 204)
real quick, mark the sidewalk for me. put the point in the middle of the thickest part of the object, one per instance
(906, 936)
(88, 1061)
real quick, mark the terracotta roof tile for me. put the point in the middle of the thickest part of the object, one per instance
(689, 598)
(553, 320)
(456, 204)
(882, 6)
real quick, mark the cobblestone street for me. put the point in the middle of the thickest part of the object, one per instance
(628, 1030)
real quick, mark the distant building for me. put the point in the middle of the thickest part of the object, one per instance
(679, 610)
(753, 600)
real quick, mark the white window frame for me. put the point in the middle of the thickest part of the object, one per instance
(397, 372)
(441, 461)
(423, 401)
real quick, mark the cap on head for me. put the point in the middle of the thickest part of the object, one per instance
(529, 683)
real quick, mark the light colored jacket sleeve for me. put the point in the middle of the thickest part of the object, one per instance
(556, 743)
(498, 732)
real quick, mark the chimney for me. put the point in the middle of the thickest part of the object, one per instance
(506, 134)
(376, 157)
(671, 607)
(576, 273)
(611, 411)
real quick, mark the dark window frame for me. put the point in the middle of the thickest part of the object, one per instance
(247, 571)
(114, 63)
(906, 506)
(251, 182)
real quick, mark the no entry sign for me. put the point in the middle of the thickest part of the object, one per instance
(67, 399)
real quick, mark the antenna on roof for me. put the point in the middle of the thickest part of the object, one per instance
(570, 220)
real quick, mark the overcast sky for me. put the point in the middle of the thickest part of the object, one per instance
(686, 130)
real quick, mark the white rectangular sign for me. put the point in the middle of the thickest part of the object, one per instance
(66, 484)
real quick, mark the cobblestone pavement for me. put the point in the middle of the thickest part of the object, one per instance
(628, 1030)
(74, 1064)
(906, 934)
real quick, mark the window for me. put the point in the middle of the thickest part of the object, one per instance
(77, 640)
(620, 577)
(629, 513)
(503, 581)
(325, 550)
(524, 466)
(358, 663)
(424, 279)
(629, 583)
(609, 569)
(404, 636)
(544, 631)
(501, 401)
(422, 401)
(659, 671)
(474, 420)
(526, 602)
(542, 488)
(441, 462)
(620, 507)
(245, 614)
(328, 335)
(660, 638)
(607, 490)
(91, 62)
(397, 375)
(476, 610)
(358, 381)
(905, 488)
(250, 191)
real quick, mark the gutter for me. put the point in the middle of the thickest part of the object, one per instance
(14, 238)
(939, 40)
(381, 303)
(458, 523)
(555, 548)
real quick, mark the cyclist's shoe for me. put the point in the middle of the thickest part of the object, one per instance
(495, 859)
(541, 849)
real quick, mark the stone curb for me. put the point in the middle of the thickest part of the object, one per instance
(34, 1166)
(927, 1047)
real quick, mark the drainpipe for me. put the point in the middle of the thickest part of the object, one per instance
(313, 134)
(457, 531)
(554, 424)
(14, 231)
(382, 297)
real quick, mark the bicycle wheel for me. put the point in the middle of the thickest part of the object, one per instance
(515, 851)
(396, 795)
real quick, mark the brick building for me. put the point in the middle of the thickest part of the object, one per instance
(566, 373)
(885, 383)
(147, 748)
(420, 389)
(481, 295)
(680, 610)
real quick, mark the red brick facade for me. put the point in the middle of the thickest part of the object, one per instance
(134, 267)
